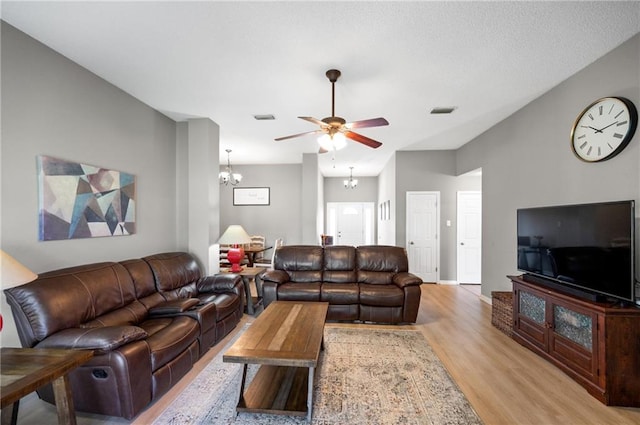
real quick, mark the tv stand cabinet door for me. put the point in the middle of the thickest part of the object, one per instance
(530, 314)
(573, 339)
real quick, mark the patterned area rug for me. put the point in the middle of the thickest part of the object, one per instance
(365, 376)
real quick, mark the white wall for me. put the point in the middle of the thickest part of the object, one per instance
(526, 160)
(52, 106)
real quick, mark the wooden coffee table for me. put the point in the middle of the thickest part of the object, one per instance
(24, 370)
(286, 340)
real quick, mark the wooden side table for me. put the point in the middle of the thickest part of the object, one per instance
(24, 370)
(248, 274)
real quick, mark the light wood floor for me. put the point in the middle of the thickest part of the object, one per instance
(505, 383)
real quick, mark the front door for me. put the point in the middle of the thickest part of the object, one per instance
(423, 222)
(351, 223)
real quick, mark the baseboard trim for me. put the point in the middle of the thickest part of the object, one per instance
(448, 282)
(486, 299)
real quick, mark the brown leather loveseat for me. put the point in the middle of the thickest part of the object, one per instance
(147, 320)
(368, 283)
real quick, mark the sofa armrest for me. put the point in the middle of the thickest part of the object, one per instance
(406, 279)
(173, 307)
(101, 340)
(275, 276)
(223, 282)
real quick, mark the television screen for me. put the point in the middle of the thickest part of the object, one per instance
(588, 246)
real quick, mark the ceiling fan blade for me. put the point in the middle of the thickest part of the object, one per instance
(362, 139)
(373, 122)
(298, 135)
(314, 120)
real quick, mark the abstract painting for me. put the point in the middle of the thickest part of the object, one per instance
(84, 201)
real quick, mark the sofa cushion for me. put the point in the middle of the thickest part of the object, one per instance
(307, 291)
(381, 295)
(303, 263)
(175, 271)
(226, 303)
(168, 337)
(340, 293)
(131, 315)
(68, 297)
(339, 264)
(102, 340)
(173, 307)
(377, 264)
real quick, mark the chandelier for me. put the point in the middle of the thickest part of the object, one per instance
(228, 176)
(351, 183)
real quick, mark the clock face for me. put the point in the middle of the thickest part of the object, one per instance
(604, 129)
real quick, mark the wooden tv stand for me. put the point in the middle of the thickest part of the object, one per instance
(595, 343)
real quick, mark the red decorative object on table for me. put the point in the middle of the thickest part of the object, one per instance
(235, 256)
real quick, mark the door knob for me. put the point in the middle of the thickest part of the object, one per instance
(461, 243)
(411, 243)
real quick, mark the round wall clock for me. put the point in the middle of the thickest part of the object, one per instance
(604, 129)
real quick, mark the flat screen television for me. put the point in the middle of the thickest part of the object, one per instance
(587, 249)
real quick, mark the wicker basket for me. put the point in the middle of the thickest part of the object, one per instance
(502, 311)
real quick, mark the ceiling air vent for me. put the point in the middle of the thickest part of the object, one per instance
(443, 110)
(264, 117)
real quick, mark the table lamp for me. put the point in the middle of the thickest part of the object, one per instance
(12, 273)
(235, 236)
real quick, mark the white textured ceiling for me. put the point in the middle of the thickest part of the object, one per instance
(231, 60)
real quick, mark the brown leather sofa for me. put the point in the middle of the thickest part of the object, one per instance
(147, 320)
(368, 283)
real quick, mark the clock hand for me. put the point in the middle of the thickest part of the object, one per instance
(593, 128)
(608, 126)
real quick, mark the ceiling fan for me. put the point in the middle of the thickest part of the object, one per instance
(336, 129)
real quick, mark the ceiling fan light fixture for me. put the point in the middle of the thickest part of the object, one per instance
(333, 142)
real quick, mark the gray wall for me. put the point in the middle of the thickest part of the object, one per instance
(52, 106)
(366, 191)
(526, 160)
(387, 192)
(432, 171)
(282, 218)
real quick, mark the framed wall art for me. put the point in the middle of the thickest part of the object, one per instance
(83, 201)
(251, 196)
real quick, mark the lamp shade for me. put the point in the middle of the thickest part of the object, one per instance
(234, 235)
(12, 273)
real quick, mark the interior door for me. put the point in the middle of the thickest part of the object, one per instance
(469, 240)
(423, 222)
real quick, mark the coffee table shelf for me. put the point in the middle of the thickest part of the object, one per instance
(277, 390)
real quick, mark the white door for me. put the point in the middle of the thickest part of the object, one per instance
(423, 223)
(350, 223)
(469, 237)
